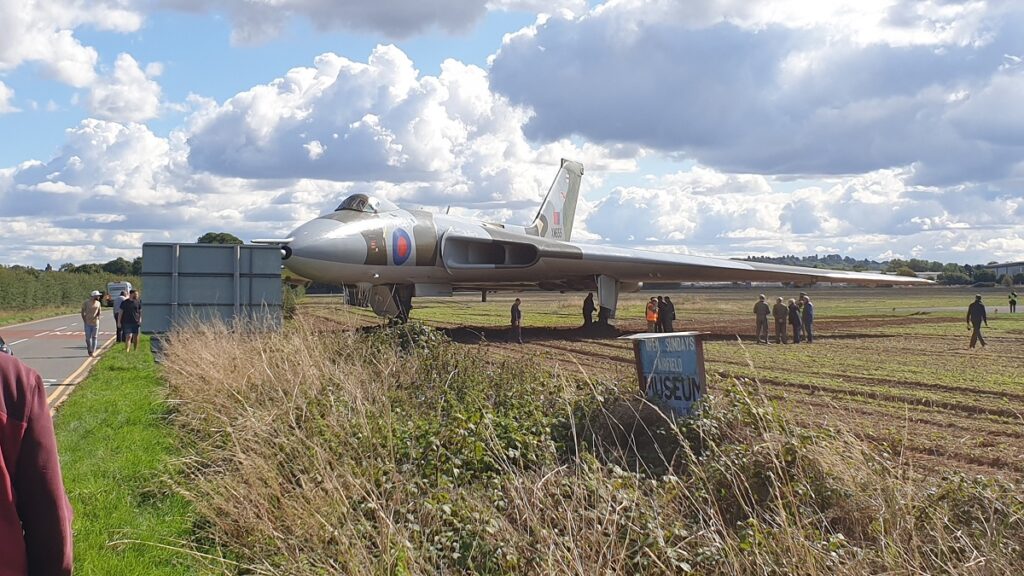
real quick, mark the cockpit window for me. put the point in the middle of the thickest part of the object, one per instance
(364, 203)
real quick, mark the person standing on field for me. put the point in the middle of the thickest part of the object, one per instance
(1013, 302)
(761, 312)
(670, 315)
(116, 303)
(588, 310)
(131, 320)
(91, 320)
(517, 322)
(794, 320)
(662, 314)
(975, 316)
(807, 317)
(652, 315)
(35, 515)
(779, 313)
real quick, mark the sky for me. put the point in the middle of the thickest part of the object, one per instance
(869, 128)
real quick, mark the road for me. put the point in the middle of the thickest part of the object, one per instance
(55, 347)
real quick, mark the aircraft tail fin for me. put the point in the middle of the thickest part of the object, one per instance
(558, 210)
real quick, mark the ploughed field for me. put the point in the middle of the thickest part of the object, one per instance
(891, 365)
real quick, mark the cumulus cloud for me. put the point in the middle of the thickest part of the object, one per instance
(259, 21)
(127, 93)
(43, 32)
(777, 88)
(437, 139)
(6, 96)
(703, 211)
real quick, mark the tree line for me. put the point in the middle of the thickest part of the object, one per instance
(950, 273)
(24, 287)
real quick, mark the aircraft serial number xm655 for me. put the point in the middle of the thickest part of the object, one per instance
(394, 255)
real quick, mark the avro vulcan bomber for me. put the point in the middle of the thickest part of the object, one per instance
(395, 255)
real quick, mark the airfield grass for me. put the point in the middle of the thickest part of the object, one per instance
(116, 453)
(8, 317)
(322, 450)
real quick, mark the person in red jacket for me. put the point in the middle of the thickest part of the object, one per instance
(35, 515)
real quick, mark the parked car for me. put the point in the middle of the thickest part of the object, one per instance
(4, 348)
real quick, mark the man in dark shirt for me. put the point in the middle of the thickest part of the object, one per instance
(35, 515)
(975, 316)
(794, 320)
(588, 310)
(517, 322)
(807, 317)
(670, 315)
(662, 314)
(131, 320)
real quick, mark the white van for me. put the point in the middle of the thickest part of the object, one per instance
(114, 290)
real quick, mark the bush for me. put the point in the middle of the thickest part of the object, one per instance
(314, 453)
(27, 288)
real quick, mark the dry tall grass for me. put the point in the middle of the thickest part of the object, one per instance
(318, 453)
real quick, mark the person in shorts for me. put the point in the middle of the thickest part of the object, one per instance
(130, 321)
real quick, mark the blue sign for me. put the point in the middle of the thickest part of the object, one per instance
(671, 369)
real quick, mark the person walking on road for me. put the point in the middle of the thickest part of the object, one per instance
(588, 310)
(975, 316)
(779, 313)
(517, 321)
(652, 315)
(91, 320)
(794, 320)
(131, 320)
(116, 303)
(670, 315)
(35, 515)
(807, 317)
(761, 312)
(1013, 301)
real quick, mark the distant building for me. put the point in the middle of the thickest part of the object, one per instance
(1008, 268)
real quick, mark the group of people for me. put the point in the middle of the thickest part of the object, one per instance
(660, 314)
(127, 317)
(799, 314)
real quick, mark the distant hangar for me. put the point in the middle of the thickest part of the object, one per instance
(1009, 268)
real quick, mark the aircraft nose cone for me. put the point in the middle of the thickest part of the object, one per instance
(324, 241)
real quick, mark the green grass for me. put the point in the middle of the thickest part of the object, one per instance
(115, 451)
(8, 317)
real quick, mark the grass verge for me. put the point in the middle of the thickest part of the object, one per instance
(397, 452)
(8, 317)
(116, 450)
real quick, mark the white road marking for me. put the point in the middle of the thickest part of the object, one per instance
(41, 334)
(18, 342)
(61, 328)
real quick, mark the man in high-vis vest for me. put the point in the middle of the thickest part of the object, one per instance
(652, 315)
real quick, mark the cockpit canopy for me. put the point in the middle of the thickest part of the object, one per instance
(365, 203)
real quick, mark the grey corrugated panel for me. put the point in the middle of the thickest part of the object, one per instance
(205, 280)
(156, 317)
(158, 288)
(157, 258)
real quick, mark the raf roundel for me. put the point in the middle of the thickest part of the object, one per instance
(401, 246)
